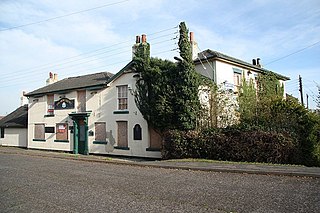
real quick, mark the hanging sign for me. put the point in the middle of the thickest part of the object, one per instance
(64, 103)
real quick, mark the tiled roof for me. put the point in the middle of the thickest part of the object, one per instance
(208, 54)
(17, 118)
(78, 82)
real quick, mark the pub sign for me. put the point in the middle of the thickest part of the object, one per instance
(64, 103)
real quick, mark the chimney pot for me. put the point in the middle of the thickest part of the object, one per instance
(137, 39)
(258, 62)
(191, 37)
(144, 38)
(50, 75)
(254, 62)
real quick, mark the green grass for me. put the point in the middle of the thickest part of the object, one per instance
(226, 162)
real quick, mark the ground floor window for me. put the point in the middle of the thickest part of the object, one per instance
(100, 131)
(137, 132)
(39, 131)
(62, 131)
(1, 132)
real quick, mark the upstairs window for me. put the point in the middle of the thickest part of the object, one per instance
(81, 96)
(237, 79)
(50, 105)
(122, 97)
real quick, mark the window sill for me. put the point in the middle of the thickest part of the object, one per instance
(121, 112)
(40, 140)
(48, 116)
(153, 149)
(100, 142)
(123, 148)
(62, 141)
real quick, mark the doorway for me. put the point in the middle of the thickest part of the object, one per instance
(80, 134)
(82, 137)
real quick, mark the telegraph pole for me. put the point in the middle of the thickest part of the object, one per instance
(300, 90)
(307, 101)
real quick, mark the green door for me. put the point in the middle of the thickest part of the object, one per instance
(82, 139)
(80, 135)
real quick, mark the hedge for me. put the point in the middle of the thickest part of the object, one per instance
(230, 145)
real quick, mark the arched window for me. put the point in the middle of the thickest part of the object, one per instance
(137, 132)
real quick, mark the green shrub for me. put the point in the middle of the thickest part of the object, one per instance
(231, 144)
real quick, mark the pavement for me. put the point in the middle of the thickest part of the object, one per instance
(248, 168)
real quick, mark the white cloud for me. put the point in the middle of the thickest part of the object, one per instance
(245, 29)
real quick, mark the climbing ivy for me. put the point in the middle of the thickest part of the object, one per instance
(167, 92)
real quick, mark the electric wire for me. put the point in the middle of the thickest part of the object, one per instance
(87, 70)
(203, 66)
(295, 52)
(67, 65)
(62, 16)
(5, 78)
(89, 52)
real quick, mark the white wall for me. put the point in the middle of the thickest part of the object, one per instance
(36, 115)
(14, 137)
(103, 106)
(223, 71)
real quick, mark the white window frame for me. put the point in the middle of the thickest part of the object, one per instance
(122, 97)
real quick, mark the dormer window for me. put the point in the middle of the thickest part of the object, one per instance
(122, 97)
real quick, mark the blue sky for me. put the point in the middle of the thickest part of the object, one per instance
(100, 39)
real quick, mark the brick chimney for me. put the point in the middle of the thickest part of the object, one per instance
(141, 43)
(194, 46)
(258, 62)
(144, 38)
(53, 77)
(135, 46)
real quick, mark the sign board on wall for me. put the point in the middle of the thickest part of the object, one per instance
(61, 128)
(64, 103)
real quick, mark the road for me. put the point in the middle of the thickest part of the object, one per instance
(38, 184)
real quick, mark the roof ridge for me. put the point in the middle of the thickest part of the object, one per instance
(88, 75)
(214, 53)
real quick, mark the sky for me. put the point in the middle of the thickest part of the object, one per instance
(77, 37)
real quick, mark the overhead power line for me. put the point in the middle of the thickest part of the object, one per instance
(286, 56)
(71, 65)
(89, 54)
(79, 62)
(80, 72)
(62, 16)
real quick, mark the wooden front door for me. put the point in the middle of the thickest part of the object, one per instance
(122, 133)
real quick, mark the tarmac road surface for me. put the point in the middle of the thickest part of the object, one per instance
(37, 184)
